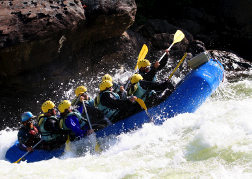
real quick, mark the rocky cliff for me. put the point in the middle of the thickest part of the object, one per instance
(48, 47)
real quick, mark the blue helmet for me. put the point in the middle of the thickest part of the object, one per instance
(27, 115)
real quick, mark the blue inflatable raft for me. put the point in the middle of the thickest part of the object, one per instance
(190, 93)
(14, 153)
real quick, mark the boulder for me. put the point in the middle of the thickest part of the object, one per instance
(36, 33)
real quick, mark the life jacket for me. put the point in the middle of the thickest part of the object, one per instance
(47, 135)
(139, 92)
(142, 74)
(34, 136)
(90, 102)
(81, 120)
(108, 112)
(116, 87)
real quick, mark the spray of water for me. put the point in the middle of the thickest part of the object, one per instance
(213, 142)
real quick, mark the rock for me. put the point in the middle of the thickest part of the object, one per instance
(196, 47)
(189, 25)
(231, 62)
(156, 26)
(35, 31)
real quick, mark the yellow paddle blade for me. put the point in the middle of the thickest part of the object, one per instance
(141, 103)
(182, 59)
(98, 148)
(68, 148)
(142, 55)
(179, 35)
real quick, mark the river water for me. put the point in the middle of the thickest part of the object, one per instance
(213, 142)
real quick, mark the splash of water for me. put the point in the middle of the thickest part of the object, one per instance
(213, 142)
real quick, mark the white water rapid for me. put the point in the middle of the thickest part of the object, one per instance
(214, 142)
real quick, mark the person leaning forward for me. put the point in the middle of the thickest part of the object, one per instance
(49, 126)
(152, 93)
(149, 72)
(97, 118)
(72, 121)
(111, 104)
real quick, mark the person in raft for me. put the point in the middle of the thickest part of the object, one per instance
(112, 105)
(72, 120)
(97, 118)
(28, 134)
(149, 72)
(152, 93)
(49, 126)
(116, 86)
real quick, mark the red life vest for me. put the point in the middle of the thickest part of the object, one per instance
(33, 131)
(33, 138)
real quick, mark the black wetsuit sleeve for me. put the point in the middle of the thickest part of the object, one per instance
(52, 126)
(150, 75)
(157, 86)
(23, 137)
(94, 112)
(108, 100)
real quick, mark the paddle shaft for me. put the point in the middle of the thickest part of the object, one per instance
(29, 151)
(165, 52)
(178, 36)
(97, 146)
(127, 84)
(148, 114)
(182, 59)
(85, 109)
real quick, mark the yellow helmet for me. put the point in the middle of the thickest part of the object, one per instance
(79, 90)
(47, 105)
(107, 77)
(136, 78)
(105, 84)
(64, 105)
(143, 63)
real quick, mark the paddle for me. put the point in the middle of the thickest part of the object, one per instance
(28, 151)
(178, 36)
(68, 149)
(141, 56)
(92, 136)
(182, 59)
(142, 104)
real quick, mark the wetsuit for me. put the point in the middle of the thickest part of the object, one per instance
(120, 108)
(28, 137)
(153, 93)
(76, 123)
(51, 132)
(97, 118)
(151, 75)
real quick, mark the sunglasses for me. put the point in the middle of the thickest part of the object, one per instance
(29, 121)
(83, 94)
(50, 110)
